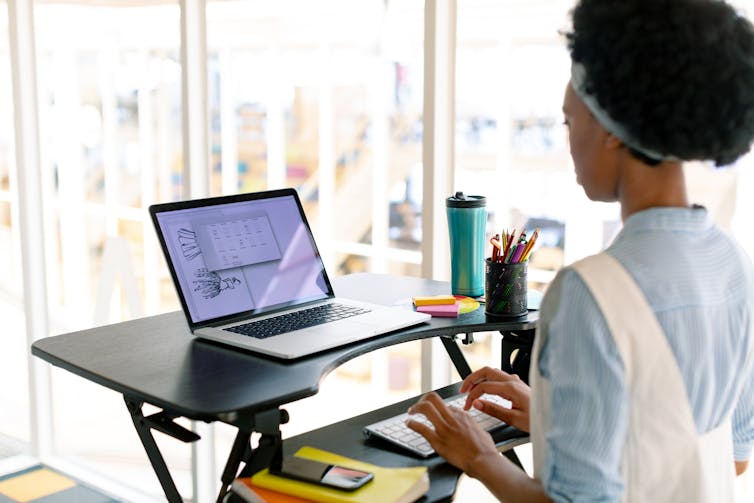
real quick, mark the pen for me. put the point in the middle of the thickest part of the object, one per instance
(511, 252)
(530, 245)
(495, 242)
(516, 257)
(509, 245)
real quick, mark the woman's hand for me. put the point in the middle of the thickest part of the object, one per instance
(453, 434)
(462, 442)
(496, 382)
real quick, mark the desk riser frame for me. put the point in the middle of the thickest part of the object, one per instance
(267, 423)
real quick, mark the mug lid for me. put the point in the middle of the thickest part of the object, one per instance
(461, 200)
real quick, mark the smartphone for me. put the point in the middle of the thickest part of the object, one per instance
(335, 476)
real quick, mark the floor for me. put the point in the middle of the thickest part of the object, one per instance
(39, 484)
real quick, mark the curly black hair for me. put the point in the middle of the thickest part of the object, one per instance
(677, 74)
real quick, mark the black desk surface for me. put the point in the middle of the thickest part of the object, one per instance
(156, 359)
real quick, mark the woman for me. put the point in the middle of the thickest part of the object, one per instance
(642, 364)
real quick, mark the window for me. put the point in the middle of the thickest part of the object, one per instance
(327, 97)
(111, 144)
(330, 105)
(14, 400)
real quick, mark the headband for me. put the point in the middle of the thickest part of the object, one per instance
(578, 82)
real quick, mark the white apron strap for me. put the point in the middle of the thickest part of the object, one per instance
(664, 457)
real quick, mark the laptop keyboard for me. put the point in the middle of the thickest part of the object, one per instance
(394, 429)
(297, 320)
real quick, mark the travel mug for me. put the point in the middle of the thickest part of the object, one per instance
(467, 219)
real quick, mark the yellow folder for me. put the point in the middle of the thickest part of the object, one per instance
(390, 485)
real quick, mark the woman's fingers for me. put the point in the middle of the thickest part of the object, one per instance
(451, 432)
(516, 391)
(423, 429)
(515, 417)
(434, 409)
(443, 418)
(486, 374)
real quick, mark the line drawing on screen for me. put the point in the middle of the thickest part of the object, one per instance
(209, 284)
(209, 293)
(189, 246)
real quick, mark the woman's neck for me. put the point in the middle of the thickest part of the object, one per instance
(642, 187)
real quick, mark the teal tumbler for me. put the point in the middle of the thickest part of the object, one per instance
(467, 220)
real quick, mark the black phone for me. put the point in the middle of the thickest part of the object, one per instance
(317, 472)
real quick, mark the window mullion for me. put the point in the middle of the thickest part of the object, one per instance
(195, 99)
(228, 124)
(380, 121)
(326, 167)
(196, 184)
(31, 219)
(275, 119)
(437, 158)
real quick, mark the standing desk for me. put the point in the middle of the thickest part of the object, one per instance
(156, 361)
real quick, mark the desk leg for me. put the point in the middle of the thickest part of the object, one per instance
(456, 356)
(239, 451)
(511, 454)
(153, 452)
(269, 452)
(516, 352)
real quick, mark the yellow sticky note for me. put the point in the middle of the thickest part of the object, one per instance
(434, 300)
(34, 485)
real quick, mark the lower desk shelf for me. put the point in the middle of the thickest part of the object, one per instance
(346, 438)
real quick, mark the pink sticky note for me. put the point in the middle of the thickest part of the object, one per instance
(441, 310)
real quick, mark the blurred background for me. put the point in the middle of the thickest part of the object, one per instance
(120, 104)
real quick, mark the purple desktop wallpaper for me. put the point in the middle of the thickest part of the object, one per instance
(243, 256)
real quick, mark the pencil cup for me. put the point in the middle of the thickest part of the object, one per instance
(505, 289)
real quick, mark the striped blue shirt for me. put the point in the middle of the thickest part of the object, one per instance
(700, 284)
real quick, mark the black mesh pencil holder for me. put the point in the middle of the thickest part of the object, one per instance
(505, 289)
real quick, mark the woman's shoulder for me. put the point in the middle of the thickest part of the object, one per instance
(567, 296)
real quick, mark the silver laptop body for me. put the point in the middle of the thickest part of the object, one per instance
(247, 258)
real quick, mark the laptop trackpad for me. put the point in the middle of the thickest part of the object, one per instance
(372, 319)
(330, 335)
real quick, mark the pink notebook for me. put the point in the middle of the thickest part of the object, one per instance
(441, 310)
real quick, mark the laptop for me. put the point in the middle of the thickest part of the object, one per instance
(248, 274)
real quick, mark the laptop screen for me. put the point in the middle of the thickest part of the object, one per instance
(240, 255)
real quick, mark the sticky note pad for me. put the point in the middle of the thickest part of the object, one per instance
(467, 304)
(441, 310)
(435, 300)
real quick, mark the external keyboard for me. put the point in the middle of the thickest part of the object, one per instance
(297, 320)
(394, 429)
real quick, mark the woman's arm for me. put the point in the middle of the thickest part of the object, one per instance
(741, 467)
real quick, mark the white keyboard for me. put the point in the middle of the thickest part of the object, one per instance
(395, 430)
